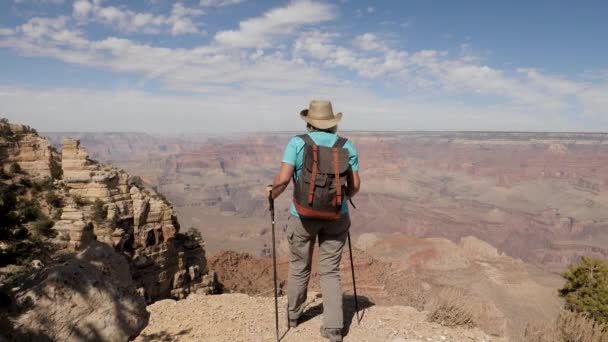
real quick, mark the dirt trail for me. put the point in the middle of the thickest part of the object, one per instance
(238, 317)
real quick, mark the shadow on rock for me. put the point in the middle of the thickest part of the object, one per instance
(350, 313)
(164, 336)
(89, 296)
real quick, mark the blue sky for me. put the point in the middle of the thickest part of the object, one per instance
(239, 65)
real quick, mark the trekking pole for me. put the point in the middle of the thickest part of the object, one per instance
(274, 265)
(352, 267)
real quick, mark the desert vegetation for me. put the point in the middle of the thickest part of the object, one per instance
(585, 316)
(451, 307)
(24, 225)
(586, 289)
(100, 212)
(569, 327)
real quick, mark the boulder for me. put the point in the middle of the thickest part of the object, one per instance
(89, 297)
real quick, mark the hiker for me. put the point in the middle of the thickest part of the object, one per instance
(325, 170)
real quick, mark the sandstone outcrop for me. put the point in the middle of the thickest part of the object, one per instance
(89, 297)
(111, 206)
(97, 202)
(30, 151)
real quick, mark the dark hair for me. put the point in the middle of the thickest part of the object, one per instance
(312, 128)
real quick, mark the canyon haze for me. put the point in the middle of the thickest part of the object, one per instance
(539, 197)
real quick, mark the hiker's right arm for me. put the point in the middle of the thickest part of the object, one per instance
(353, 183)
(282, 179)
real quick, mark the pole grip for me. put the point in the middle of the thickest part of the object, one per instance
(270, 200)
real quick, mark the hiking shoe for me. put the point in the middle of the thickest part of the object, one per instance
(333, 335)
(293, 323)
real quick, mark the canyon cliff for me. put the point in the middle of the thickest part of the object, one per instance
(72, 227)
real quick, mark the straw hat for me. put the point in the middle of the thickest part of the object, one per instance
(320, 115)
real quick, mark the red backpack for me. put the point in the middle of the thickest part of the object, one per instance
(320, 189)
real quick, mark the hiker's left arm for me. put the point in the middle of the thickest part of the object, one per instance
(353, 182)
(282, 179)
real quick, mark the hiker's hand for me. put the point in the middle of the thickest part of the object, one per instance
(268, 191)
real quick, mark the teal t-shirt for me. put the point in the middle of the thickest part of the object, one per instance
(294, 155)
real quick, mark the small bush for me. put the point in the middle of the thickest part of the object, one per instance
(450, 307)
(195, 234)
(43, 227)
(100, 211)
(36, 188)
(26, 182)
(43, 185)
(8, 200)
(136, 181)
(5, 129)
(541, 332)
(53, 199)
(28, 211)
(81, 202)
(56, 171)
(569, 327)
(64, 236)
(15, 168)
(57, 214)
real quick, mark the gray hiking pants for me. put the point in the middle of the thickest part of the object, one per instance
(301, 235)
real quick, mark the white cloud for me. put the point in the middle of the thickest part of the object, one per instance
(370, 63)
(179, 21)
(262, 31)
(219, 3)
(247, 69)
(6, 31)
(370, 10)
(369, 42)
(204, 69)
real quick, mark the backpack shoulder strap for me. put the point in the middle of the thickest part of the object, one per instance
(307, 139)
(340, 142)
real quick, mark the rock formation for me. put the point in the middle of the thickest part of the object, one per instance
(89, 297)
(31, 152)
(105, 204)
(109, 205)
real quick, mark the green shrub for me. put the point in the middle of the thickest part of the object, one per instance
(136, 181)
(53, 199)
(26, 182)
(43, 227)
(586, 288)
(15, 168)
(100, 212)
(28, 211)
(57, 214)
(43, 185)
(56, 171)
(8, 220)
(81, 202)
(195, 234)
(5, 129)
